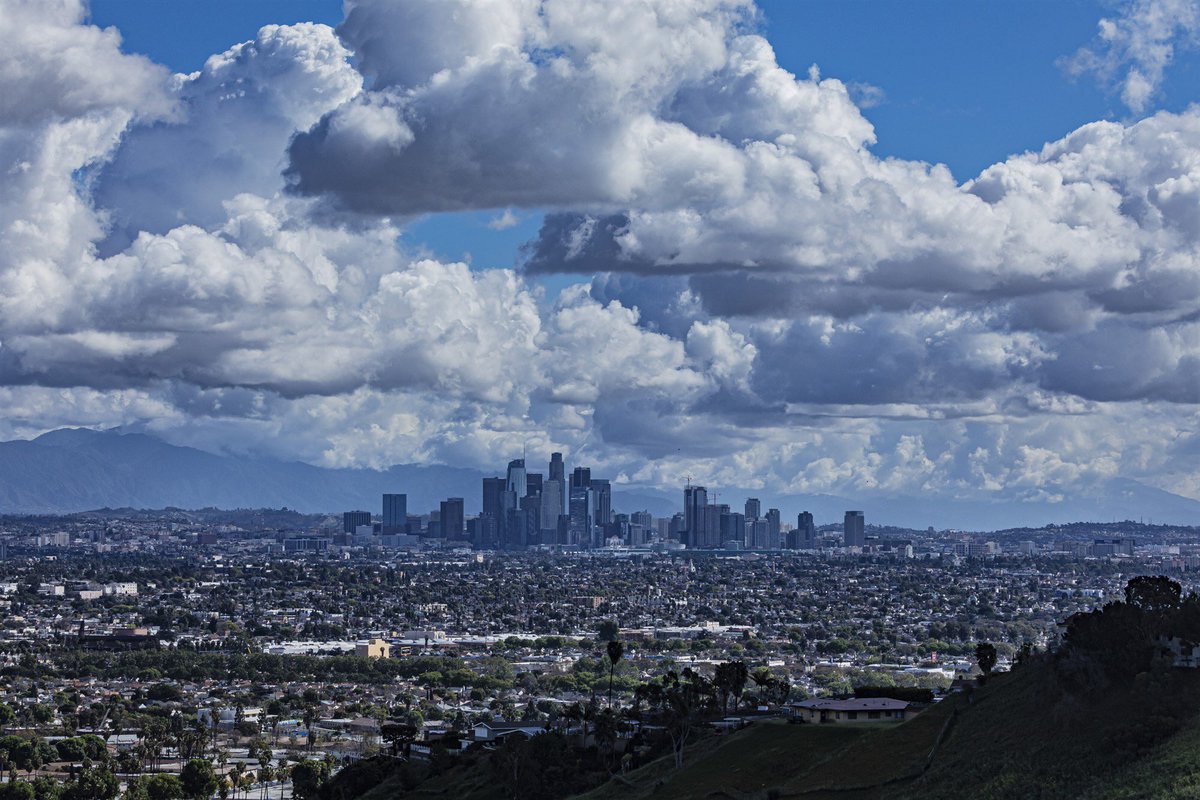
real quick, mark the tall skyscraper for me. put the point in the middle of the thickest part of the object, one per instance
(551, 505)
(774, 527)
(516, 482)
(695, 498)
(677, 527)
(602, 496)
(492, 519)
(581, 478)
(580, 509)
(395, 513)
(533, 484)
(451, 517)
(531, 505)
(805, 535)
(756, 534)
(854, 531)
(710, 535)
(558, 473)
(753, 508)
(352, 519)
(733, 529)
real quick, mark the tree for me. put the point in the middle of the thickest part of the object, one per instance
(542, 768)
(1153, 594)
(198, 779)
(310, 716)
(400, 735)
(46, 788)
(16, 790)
(608, 630)
(97, 783)
(676, 702)
(235, 777)
(985, 656)
(615, 651)
(739, 675)
(307, 778)
(762, 678)
(155, 787)
(608, 726)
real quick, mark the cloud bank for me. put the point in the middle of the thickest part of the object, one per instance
(218, 257)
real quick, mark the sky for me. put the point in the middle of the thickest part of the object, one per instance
(871, 249)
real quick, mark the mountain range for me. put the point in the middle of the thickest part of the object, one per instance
(76, 469)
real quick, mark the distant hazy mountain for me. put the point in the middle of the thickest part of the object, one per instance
(79, 470)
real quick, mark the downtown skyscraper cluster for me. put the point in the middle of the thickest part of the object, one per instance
(526, 508)
(711, 526)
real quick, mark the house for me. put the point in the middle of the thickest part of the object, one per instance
(227, 718)
(1183, 653)
(864, 709)
(123, 742)
(496, 730)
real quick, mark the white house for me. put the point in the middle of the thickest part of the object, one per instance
(864, 709)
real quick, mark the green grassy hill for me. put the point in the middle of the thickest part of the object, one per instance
(1019, 736)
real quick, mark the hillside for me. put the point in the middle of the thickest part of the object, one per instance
(1010, 741)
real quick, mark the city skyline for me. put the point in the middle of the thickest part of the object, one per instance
(528, 510)
(872, 251)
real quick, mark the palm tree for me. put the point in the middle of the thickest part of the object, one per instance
(236, 777)
(574, 713)
(615, 651)
(310, 716)
(739, 674)
(607, 727)
(264, 764)
(763, 679)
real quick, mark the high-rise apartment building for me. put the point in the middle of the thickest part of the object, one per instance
(695, 498)
(805, 535)
(352, 519)
(854, 529)
(491, 525)
(753, 508)
(452, 519)
(580, 510)
(733, 529)
(710, 535)
(602, 496)
(756, 534)
(395, 513)
(774, 528)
